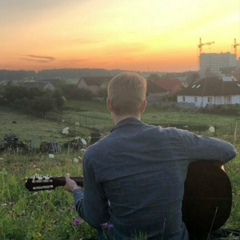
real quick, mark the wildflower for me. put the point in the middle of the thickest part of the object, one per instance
(84, 142)
(75, 160)
(65, 131)
(211, 129)
(39, 235)
(51, 155)
(77, 222)
(106, 226)
(82, 150)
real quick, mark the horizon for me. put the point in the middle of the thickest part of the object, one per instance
(93, 69)
(104, 34)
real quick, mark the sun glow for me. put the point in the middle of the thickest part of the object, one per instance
(134, 35)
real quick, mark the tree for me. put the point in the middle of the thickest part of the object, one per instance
(13, 93)
(41, 105)
(59, 101)
(153, 77)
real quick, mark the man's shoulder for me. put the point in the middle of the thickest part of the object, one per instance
(98, 146)
(172, 130)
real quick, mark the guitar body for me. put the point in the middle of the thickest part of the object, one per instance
(207, 198)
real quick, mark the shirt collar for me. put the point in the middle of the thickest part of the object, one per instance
(126, 121)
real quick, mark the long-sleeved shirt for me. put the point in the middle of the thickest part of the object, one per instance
(134, 179)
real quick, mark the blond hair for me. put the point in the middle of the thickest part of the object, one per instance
(127, 91)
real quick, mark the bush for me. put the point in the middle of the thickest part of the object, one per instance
(230, 109)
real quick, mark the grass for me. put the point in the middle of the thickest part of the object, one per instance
(46, 215)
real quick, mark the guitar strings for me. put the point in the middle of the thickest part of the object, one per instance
(214, 217)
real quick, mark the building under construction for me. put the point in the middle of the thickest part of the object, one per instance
(212, 63)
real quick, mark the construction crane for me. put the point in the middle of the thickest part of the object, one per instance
(235, 44)
(201, 44)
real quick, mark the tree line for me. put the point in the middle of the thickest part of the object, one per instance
(38, 102)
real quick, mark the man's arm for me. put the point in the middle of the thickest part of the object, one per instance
(91, 203)
(208, 148)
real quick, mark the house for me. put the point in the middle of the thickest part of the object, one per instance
(236, 75)
(94, 84)
(153, 89)
(210, 91)
(54, 81)
(155, 93)
(39, 84)
(170, 85)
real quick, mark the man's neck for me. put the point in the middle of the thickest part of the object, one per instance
(117, 119)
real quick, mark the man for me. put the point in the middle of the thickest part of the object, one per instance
(134, 177)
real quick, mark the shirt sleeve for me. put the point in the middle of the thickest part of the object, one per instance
(207, 148)
(91, 203)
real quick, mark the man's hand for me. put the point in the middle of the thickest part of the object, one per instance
(70, 185)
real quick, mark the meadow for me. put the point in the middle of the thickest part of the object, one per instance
(45, 215)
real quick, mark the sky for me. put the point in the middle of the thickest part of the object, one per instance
(136, 35)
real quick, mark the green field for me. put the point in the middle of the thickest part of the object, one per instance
(46, 215)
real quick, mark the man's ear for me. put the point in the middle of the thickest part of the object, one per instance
(143, 106)
(109, 105)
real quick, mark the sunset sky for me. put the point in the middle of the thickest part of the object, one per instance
(143, 35)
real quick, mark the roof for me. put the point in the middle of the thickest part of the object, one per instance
(168, 84)
(152, 87)
(236, 74)
(212, 87)
(54, 81)
(98, 81)
(38, 84)
(34, 84)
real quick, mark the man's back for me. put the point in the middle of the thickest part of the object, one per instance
(143, 178)
(134, 178)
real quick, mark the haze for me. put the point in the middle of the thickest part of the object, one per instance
(142, 35)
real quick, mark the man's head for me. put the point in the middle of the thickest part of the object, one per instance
(127, 94)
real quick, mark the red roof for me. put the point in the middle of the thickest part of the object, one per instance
(171, 85)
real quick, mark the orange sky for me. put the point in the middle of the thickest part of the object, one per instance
(145, 35)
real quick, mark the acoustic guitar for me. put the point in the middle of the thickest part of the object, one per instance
(207, 198)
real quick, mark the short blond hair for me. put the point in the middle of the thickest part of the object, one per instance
(127, 91)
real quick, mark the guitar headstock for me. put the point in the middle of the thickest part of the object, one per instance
(42, 183)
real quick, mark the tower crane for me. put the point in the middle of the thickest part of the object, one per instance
(235, 44)
(201, 44)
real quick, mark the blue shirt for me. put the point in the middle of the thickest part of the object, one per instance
(134, 179)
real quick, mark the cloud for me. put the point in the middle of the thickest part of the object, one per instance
(37, 58)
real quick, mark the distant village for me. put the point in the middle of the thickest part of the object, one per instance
(216, 83)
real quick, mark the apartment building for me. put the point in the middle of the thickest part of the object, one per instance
(213, 62)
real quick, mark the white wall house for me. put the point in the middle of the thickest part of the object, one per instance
(211, 91)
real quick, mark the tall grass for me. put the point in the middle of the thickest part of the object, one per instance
(51, 215)
(38, 215)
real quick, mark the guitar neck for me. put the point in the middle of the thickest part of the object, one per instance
(60, 181)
